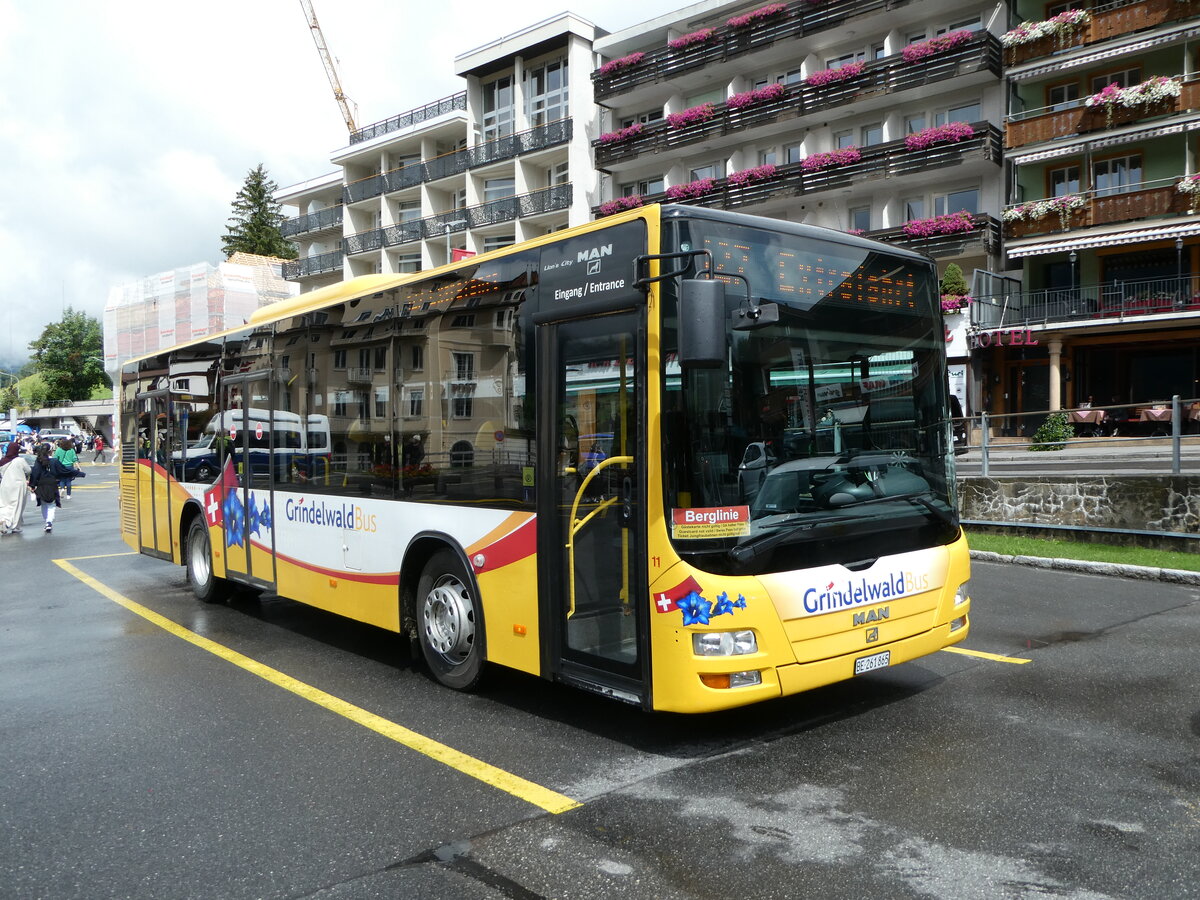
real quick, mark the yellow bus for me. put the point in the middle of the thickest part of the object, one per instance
(684, 458)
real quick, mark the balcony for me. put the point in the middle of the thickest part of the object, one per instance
(886, 76)
(1109, 20)
(1103, 304)
(985, 236)
(313, 265)
(1146, 200)
(511, 146)
(1048, 124)
(888, 160)
(411, 118)
(322, 220)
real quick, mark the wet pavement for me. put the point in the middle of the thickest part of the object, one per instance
(1065, 763)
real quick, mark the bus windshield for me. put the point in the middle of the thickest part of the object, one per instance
(826, 438)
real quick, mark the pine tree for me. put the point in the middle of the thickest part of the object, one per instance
(255, 224)
(953, 282)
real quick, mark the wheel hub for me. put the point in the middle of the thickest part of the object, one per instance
(449, 619)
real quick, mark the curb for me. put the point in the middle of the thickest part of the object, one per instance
(1145, 573)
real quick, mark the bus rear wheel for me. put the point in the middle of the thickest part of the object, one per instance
(205, 585)
(449, 623)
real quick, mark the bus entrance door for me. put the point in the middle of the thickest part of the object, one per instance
(593, 584)
(249, 503)
(154, 510)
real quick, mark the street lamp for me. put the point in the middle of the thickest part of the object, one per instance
(1179, 264)
(451, 225)
(1074, 257)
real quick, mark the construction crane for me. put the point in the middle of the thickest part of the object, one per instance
(338, 94)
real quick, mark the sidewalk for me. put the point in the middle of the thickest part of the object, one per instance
(1144, 573)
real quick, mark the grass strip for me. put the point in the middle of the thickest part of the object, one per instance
(1108, 553)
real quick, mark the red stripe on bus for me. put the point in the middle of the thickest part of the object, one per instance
(514, 546)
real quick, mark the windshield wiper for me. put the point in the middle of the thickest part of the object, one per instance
(916, 499)
(747, 550)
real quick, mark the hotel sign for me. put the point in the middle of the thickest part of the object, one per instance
(1008, 337)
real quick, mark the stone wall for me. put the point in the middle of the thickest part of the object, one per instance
(1163, 503)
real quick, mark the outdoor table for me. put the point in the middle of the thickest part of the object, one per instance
(1088, 416)
(1155, 415)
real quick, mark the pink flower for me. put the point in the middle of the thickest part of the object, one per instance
(625, 62)
(951, 223)
(758, 173)
(922, 49)
(691, 116)
(633, 201)
(623, 134)
(832, 76)
(758, 95)
(691, 190)
(951, 132)
(694, 37)
(843, 157)
(756, 15)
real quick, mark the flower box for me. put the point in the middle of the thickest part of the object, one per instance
(703, 36)
(951, 223)
(758, 173)
(951, 132)
(1061, 27)
(755, 16)
(691, 116)
(620, 204)
(623, 134)
(843, 157)
(924, 49)
(1153, 95)
(692, 189)
(953, 304)
(758, 95)
(833, 76)
(616, 65)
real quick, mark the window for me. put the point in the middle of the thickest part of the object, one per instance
(914, 208)
(499, 188)
(467, 320)
(860, 218)
(793, 153)
(1063, 96)
(340, 403)
(1056, 8)
(967, 113)
(408, 262)
(1064, 181)
(846, 59)
(381, 359)
(464, 366)
(408, 211)
(843, 139)
(791, 76)
(915, 36)
(546, 92)
(913, 124)
(462, 407)
(871, 134)
(645, 118)
(713, 170)
(339, 359)
(652, 185)
(1125, 78)
(416, 399)
(878, 51)
(956, 201)
(560, 174)
(974, 24)
(417, 357)
(497, 108)
(458, 199)
(496, 241)
(768, 157)
(714, 96)
(1118, 175)
(381, 399)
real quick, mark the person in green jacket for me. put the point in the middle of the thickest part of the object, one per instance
(66, 455)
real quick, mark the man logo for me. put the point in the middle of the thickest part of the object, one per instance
(594, 267)
(594, 253)
(872, 635)
(872, 615)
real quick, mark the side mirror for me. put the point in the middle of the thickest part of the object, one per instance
(702, 322)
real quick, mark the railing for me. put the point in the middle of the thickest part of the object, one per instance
(799, 19)
(986, 234)
(458, 161)
(412, 117)
(313, 265)
(534, 203)
(1124, 430)
(1116, 300)
(320, 220)
(1144, 200)
(888, 160)
(886, 76)
(1064, 120)
(1108, 20)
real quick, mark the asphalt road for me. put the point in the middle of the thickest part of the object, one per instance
(138, 764)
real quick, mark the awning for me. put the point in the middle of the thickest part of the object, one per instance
(1106, 239)
(1062, 62)
(1106, 139)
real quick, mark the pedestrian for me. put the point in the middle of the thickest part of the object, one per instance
(11, 452)
(98, 446)
(43, 481)
(14, 491)
(68, 456)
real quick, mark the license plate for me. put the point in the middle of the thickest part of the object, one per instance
(872, 662)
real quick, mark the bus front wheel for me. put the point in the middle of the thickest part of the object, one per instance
(205, 585)
(449, 624)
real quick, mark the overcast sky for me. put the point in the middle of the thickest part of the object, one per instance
(127, 126)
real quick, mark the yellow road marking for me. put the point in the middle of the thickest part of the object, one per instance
(1016, 661)
(549, 800)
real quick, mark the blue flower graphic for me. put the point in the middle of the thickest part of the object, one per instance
(235, 520)
(724, 605)
(695, 609)
(740, 602)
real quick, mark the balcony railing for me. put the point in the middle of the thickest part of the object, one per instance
(1113, 301)
(320, 220)
(1108, 20)
(883, 77)
(411, 118)
(313, 265)
(1145, 200)
(1048, 123)
(985, 235)
(888, 160)
(799, 19)
(456, 162)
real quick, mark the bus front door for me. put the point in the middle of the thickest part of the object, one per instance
(590, 500)
(154, 489)
(247, 477)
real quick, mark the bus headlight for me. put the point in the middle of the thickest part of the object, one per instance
(724, 643)
(963, 594)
